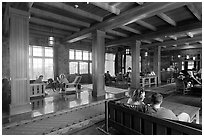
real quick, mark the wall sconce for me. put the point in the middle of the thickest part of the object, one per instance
(193, 58)
(187, 56)
(179, 56)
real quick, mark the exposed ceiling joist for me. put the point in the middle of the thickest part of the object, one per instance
(146, 25)
(173, 42)
(59, 17)
(117, 33)
(107, 7)
(132, 15)
(183, 47)
(146, 41)
(195, 11)
(80, 38)
(53, 24)
(168, 31)
(47, 29)
(167, 19)
(173, 37)
(73, 10)
(159, 39)
(45, 33)
(130, 29)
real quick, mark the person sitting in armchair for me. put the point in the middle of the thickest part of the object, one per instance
(62, 81)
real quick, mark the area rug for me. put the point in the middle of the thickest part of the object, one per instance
(164, 89)
(59, 122)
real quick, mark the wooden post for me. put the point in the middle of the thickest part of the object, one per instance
(19, 70)
(157, 63)
(135, 48)
(98, 63)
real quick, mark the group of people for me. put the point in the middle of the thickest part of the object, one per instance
(60, 83)
(155, 109)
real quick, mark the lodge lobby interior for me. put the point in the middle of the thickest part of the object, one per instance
(141, 44)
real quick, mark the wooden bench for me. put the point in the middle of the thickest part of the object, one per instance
(130, 121)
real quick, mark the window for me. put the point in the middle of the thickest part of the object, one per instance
(129, 62)
(71, 54)
(190, 64)
(79, 61)
(73, 67)
(83, 67)
(40, 62)
(110, 63)
(85, 55)
(90, 56)
(78, 55)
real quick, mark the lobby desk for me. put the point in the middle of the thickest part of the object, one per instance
(148, 81)
(178, 108)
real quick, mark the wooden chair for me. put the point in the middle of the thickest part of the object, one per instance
(74, 85)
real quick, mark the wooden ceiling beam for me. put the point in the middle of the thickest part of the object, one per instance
(167, 19)
(45, 33)
(168, 31)
(132, 15)
(73, 10)
(107, 7)
(194, 10)
(146, 41)
(130, 29)
(173, 37)
(53, 24)
(58, 17)
(47, 29)
(159, 39)
(146, 25)
(193, 46)
(117, 33)
(173, 42)
(80, 38)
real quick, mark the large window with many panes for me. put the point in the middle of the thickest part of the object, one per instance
(79, 61)
(40, 62)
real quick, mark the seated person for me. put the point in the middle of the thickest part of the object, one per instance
(39, 80)
(108, 78)
(156, 110)
(62, 81)
(136, 100)
(51, 84)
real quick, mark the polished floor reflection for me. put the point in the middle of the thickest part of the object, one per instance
(53, 102)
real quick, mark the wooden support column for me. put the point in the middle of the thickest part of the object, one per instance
(135, 80)
(98, 63)
(19, 60)
(157, 63)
